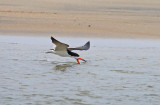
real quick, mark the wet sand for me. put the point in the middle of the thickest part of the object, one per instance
(104, 18)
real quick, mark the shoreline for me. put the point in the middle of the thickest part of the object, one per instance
(83, 37)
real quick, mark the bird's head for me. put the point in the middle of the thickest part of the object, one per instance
(50, 51)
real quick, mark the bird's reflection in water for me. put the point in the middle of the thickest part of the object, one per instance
(62, 66)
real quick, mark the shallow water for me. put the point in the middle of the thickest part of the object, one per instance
(117, 71)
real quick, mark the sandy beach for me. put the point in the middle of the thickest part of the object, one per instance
(90, 18)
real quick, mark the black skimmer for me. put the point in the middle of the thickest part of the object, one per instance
(63, 49)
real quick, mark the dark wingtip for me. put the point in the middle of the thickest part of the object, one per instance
(52, 38)
(88, 44)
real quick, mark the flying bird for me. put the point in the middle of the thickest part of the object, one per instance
(63, 50)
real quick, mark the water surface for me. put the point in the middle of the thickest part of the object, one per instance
(117, 71)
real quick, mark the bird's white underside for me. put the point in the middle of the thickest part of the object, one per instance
(61, 53)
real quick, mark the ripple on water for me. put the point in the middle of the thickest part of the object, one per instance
(152, 95)
(127, 71)
(14, 59)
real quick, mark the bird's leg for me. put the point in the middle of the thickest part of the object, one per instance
(80, 59)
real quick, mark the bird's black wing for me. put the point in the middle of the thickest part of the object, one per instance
(56, 42)
(59, 45)
(72, 53)
(84, 47)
